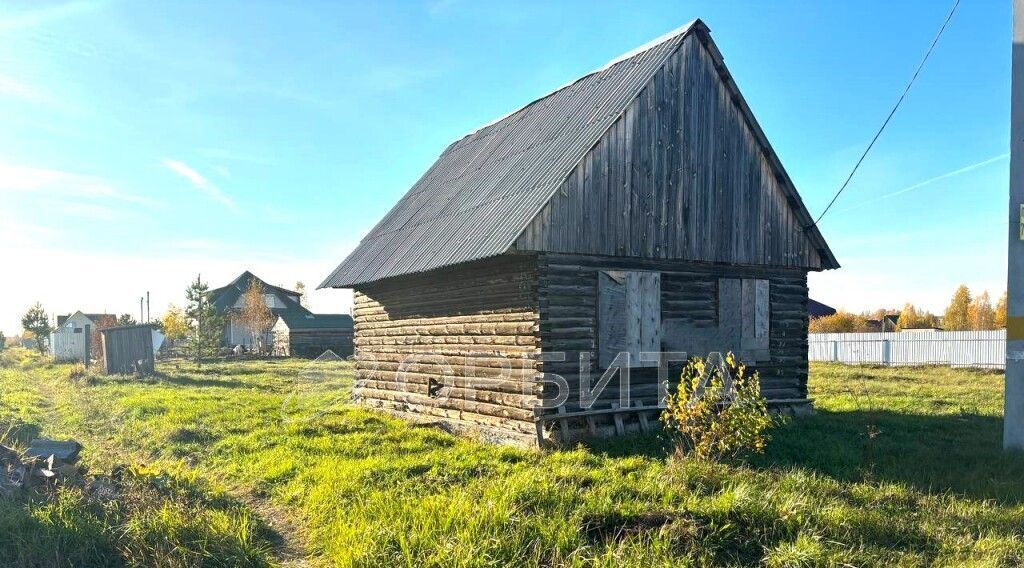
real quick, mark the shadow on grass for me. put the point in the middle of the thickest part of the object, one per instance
(958, 453)
(19, 433)
(207, 381)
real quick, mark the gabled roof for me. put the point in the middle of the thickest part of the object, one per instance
(94, 318)
(341, 322)
(485, 188)
(225, 297)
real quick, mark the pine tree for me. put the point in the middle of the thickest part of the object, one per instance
(126, 319)
(982, 315)
(999, 317)
(205, 327)
(958, 314)
(37, 323)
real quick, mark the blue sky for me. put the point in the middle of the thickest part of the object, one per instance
(142, 142)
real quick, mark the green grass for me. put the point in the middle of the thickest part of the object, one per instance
(899, 467)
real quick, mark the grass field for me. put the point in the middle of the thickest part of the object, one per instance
(265, 463)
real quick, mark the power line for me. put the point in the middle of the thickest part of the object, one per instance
(891, 113)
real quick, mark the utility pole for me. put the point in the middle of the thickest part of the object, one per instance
(1013, 411)
(142, 313)
(199, 315)
(149, 314)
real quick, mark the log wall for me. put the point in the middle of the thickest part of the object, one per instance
(470, 345)
(457, 344)
(567, 291)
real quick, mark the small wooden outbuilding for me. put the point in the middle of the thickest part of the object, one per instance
(638, 210)
(128, 349)
(312, 335)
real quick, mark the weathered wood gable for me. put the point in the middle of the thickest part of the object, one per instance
(655, 155)
(683, 174)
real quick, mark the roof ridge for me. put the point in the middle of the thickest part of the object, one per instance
(681, 30)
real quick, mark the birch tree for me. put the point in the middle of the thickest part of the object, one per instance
(958, 314)
(255, 317)
(999, 318)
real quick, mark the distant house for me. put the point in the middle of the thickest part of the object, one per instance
(887, 323)
(816, 309)
(297, 331)
(68, 341)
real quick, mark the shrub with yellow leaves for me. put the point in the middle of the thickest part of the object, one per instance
(718, 411)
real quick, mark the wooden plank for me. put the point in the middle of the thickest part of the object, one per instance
(730, 301)
(634, 314)
(650, 312)
(620, 427)
(612, 313)
(563, 425)
(762, 316)
(645, 427)
(755, 314)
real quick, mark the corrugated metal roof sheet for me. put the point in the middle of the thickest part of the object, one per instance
(318, 321)
(486, 187)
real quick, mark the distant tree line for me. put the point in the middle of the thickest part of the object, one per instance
(965, 312)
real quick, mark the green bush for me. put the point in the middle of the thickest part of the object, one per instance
(718, 411)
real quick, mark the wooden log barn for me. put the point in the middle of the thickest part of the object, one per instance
(637, 209)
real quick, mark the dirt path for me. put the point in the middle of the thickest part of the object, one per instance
(94, 427)
(290, 548)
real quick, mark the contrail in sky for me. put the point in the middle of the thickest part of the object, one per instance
(929, 181)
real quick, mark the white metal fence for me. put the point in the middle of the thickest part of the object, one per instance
(982, 349)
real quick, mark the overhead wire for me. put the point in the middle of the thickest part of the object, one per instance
(888, 118)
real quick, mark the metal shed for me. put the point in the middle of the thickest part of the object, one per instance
(127, 349)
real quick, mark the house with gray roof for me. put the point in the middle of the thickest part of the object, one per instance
(297, 331)
(638, 210)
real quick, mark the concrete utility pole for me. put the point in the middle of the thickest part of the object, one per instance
(1013, 412)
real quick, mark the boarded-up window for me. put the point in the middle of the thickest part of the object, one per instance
(741, 325)
(629, 315)
(743, 313)
(755, 314)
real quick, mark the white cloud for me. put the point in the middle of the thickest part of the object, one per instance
(931, 180)
(35, 18)
(198, 181)
(17, 89)
(16, 178)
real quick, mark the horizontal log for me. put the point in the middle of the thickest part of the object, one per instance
(380, 317)
(465, 406)
(516, 400)
(405, 410)
(485, 340)
(448, 328)
(518, 386)
(462, 350)
(479, 367)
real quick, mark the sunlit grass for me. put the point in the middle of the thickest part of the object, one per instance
(899, 467)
